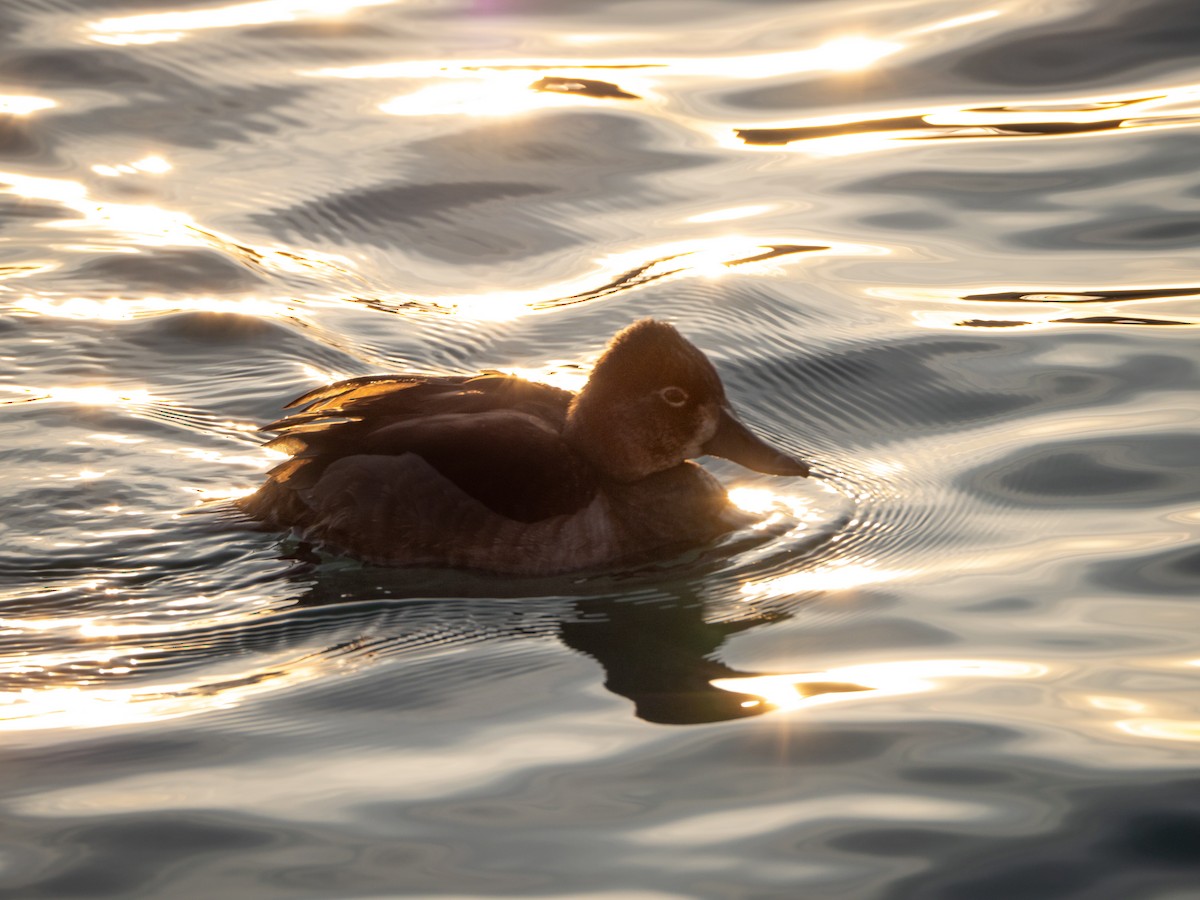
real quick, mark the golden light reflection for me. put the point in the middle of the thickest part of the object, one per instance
(214, 456)
(115, 438)
(17, 105)
(733, 213)
(753, 500)
(706, 258)
(87, 706)
(84, 684)
(58, 623)
(956, 22)
(561, 375)
(154, 27)
(139, 39)
(840, 575)
(145, 225)
(841, 135)
(123, 308)
(487, 94)
(774, 508)
(93, 395)
(1162, 729)
(502, 87)
(152, 165)
(27, 268)
(883, 468)
(1015, 299)
(321, 376)
(1042, 318)
(839, 55)
(850, 54)
(786, 692)
(1117, 704)
(96, 628)
(216, 495)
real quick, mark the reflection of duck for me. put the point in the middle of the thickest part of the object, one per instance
(658, 642)
(496, 473)
(660, 655)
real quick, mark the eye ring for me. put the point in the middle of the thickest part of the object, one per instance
(673, 396)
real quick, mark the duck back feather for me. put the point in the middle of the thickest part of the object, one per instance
(496, 437)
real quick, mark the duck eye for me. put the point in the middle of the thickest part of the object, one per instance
(673, 396)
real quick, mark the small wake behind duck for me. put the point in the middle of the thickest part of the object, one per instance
(496, 473)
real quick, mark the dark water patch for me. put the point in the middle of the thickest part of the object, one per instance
(909, 842)
(1132, 227)
(584, 154)
(1035, 189)
(1099, 47)
(166, 842)
(181, 270)
(1017, 191)
(231, 114)
(1005, 605)
(21, 138)
(1174, 572)
(592, 161)
(395, 215)
(327, 38)
(878, 632)
(849, 396)
(1085, 49)
(908, 220)
(19, 212)
(65, 566)
(1147, 470)
(192, 853)
(587, 87)
(108, 757)
(205, 328)
(79, 67)
(1163, 839)
(1127, 839)
(853, 394)
(956, 776)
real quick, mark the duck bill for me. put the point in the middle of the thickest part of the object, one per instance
(735, 441)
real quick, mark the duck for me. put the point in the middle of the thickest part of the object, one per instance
(499, 474)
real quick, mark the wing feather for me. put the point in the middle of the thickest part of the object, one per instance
(496, 437)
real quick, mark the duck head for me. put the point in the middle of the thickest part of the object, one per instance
(654, 400)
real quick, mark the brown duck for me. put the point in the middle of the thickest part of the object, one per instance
(497, 473)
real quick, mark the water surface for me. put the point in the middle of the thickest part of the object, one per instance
(946, 252)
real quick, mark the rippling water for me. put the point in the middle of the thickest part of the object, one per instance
(949, 252)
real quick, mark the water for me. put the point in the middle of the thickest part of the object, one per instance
(946, 252)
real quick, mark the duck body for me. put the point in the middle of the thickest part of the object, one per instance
(496, 473)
